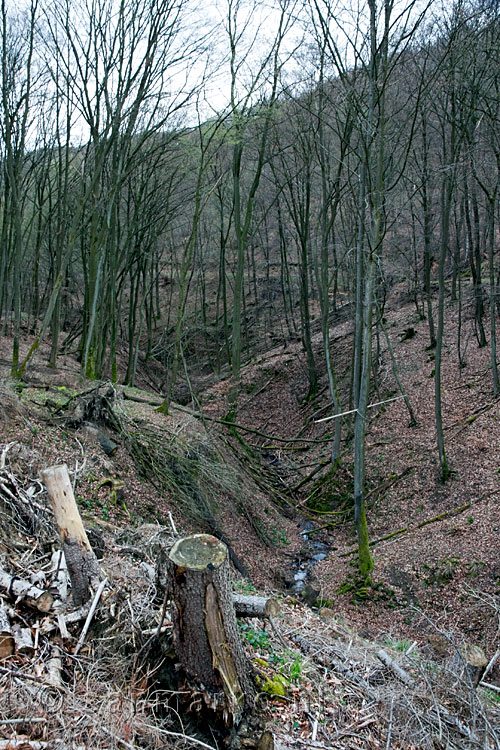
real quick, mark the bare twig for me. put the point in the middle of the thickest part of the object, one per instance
(25, 720)
(90, 615)
(180, 735)
(172, 523)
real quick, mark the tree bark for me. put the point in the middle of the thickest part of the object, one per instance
(206, 638)
(83, 567)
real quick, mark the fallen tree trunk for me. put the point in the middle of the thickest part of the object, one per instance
(206, 637)
(83, 568)
(17, 588)
(255, 606)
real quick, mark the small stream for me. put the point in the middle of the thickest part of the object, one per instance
(314, 552)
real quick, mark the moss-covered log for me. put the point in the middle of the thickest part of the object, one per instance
(206, 637)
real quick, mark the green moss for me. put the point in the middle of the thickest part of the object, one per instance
(163, 408)
(259, 661)
(276, 686)
(367, 590)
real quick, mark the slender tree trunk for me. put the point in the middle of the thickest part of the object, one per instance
(493, 287)
(427, 210)
(446, 195)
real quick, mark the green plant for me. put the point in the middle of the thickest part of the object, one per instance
(289, 665)
(279, 536)
(320, 603)
(475, 568)
(402, 644)
(295, 668)
(245, 587)
(491, 697)
(256, 638)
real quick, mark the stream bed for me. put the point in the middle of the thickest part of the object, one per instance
(311, 553)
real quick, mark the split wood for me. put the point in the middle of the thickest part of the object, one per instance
(6, 639)
(25, 591)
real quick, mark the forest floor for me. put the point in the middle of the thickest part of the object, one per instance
(439, 572)
(441, 568)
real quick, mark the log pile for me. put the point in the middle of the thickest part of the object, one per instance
(52, 607)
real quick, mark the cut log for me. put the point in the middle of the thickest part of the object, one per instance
(24, 641)
(6, 639)
(109, 446)
(206, 637)
(269, 741)
(83, 568)
(54, 668)
(255, 606)
(26, 592)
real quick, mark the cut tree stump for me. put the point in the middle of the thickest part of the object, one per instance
(206, 637)
(474, 662)
(83, 568)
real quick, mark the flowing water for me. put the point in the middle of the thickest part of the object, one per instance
(312, 552)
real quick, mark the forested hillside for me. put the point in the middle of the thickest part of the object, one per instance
(272, 233)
